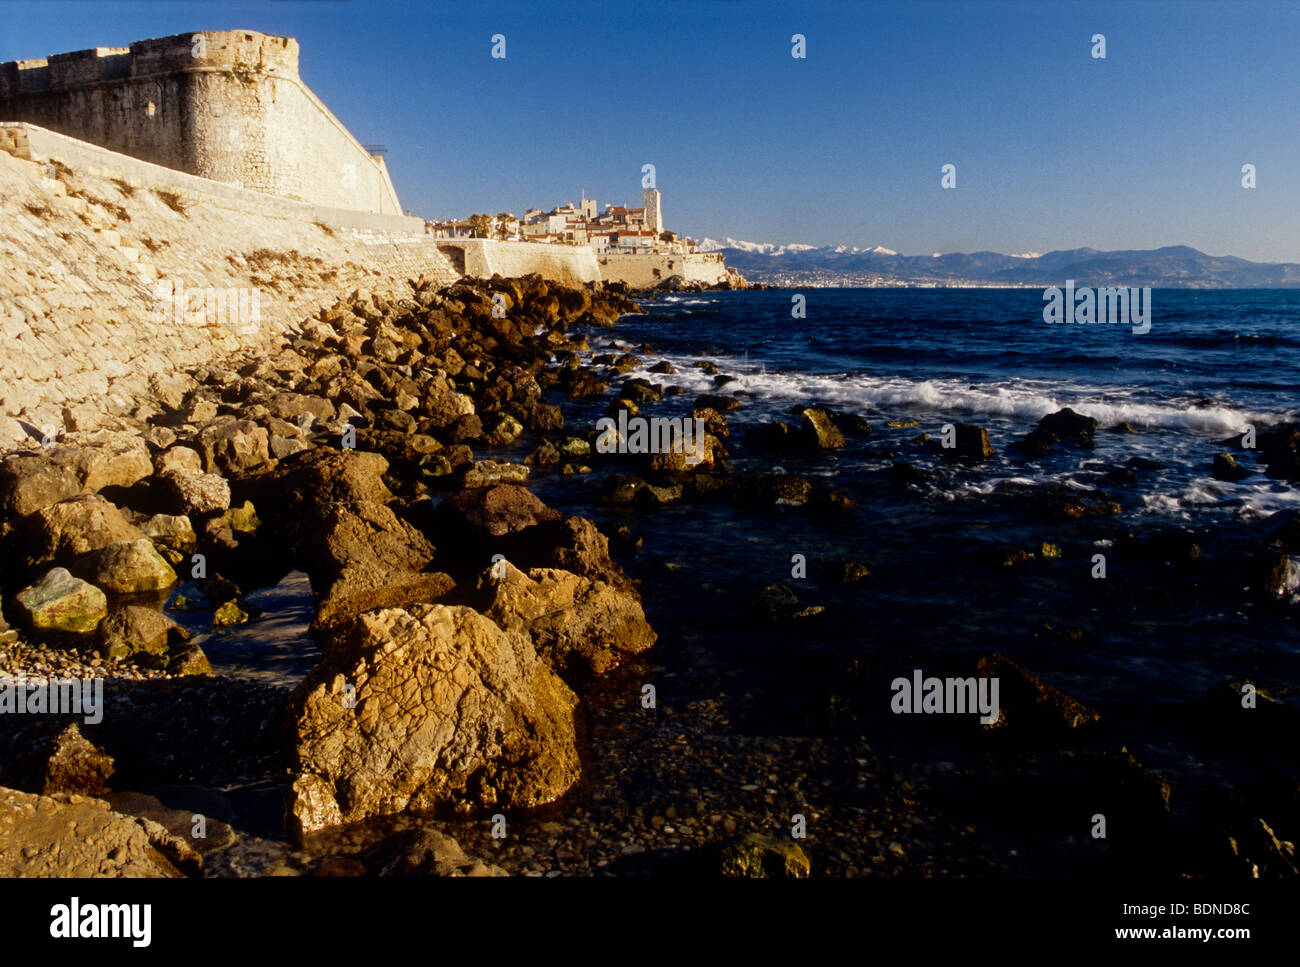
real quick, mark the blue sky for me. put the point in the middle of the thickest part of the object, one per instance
(1053, 148)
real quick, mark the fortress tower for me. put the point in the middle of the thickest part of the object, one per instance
(654, 216)
(221, 104)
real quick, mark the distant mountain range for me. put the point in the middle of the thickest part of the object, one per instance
(1176, 266)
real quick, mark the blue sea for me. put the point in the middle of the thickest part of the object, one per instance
(1137, 644)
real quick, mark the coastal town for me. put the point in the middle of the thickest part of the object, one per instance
(619, 229)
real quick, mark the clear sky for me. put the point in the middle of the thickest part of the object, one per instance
(1053, 148)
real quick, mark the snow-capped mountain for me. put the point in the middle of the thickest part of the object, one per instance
(1174, 266)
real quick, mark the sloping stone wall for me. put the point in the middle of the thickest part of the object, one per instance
(115, 272)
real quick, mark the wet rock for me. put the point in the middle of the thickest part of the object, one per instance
(620, 488)
(902, 474)
(582, 627)
(73, 764)
(448, 711)
(817, 430)
(1226, 469)
(491, 473)
(61, 602)
(192, 492)
(850, 572)
(1070, 427)
(31, 482)
(135, 632)
(775, 488)
(756, 856)
(71, 528)
(544, 456)
(127, 567)
(423, 852)
(189, 660)
(229, 613)
(1029, 704)
(970, 443)
(34, 839)
(772, 438)
(723, 404)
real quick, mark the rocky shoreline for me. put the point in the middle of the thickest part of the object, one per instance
(484, 656)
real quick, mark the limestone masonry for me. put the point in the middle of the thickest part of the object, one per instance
(188, 197)
(222, 104)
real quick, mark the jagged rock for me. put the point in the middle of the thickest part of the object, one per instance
(449, 710)
(60, 602)
(506, 431)
(135, 631)
(1226, 469)
(338, 535)
(178, 822)
(818, 431)
(71, 528)
(1028, 703)
(775, 488)
(233, 447)
(229, 613)
(490, 473)
(242, 519)
(127, 567)
(423, 852)
(32, 482)
(970, 443)
(75, 765)
(368, 586)
(103, 459)
(772, 438)
(471, 518)
(190, 660)
(582, 627)
(178, 458)
(192, 492)
(756, 856)
(317, 476)
(170, 530)
(34, 840)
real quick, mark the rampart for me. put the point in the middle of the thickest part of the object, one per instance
(224, 105)
(110, 268)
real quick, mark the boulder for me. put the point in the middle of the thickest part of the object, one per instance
(368, 586)
(448, 711)
(71, 528)
(61, 602)
(1029, 704)
(170, 530)
(178, 458)
(582, 627)
(316, 476)
(32, 482)
(134, 631)
(127, 567)
(1070, 427)
(817, 431)
(103, 459)
(423, 852)
(490, 473)
(469, 519)
(192, 492)
(233, 447)
(970, 443)
(190, 660)
(756, 856)
(1226, 469)
(35, 840)
(74, 764)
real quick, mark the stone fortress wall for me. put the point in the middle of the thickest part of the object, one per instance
(111, 268)
(225, 105)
